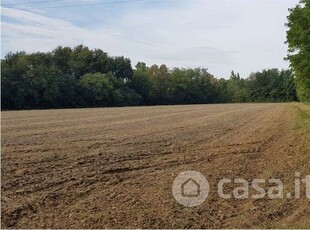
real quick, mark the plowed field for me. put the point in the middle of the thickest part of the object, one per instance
(114, 167)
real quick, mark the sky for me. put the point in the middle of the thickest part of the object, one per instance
(220, 35)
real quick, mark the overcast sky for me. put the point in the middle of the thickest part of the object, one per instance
(221, 35)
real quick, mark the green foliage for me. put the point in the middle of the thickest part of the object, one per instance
(97, 88)
(80, 77)
(303, 119)
(13, 87)
(142, 84)
(52, 79)
(298, 40)
(192, 86)
(121, 68)
(42, 86)
(141, 66)
(161, 79)
(237, 88)
(272, 85)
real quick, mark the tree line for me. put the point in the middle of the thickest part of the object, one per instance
(81, 77)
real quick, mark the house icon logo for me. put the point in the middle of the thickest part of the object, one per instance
(190, 188)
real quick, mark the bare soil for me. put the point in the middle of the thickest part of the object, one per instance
(114, 167)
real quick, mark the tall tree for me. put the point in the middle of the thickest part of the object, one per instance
(13, 87)
(142, 84)
(141, 66)
(298, 40)
(122, 68)
(98, 89)
(82, 58)
(61, 58)
(81, 77)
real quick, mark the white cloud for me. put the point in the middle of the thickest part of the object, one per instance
(220, 35)
(32, 32)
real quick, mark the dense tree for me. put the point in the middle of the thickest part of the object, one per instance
(81, 77)
(101, 63)
(70, 92)
(142, 84)
(298, 39)
(81, 61)
(237, 88)
(288, 85)
(223, 92)
(61, 57)
(271, 86)
(13, 85)
(42, 88)
(141, 66)
(161, 79)
(98, 89)
(192, 86)
(121, 68)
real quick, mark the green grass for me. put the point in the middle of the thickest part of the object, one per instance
(303, 125)
(303, 119)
